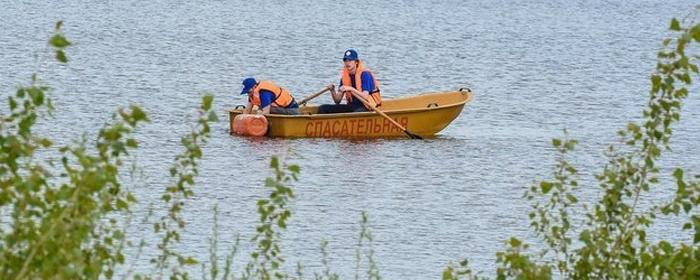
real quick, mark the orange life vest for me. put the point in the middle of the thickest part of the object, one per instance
(345, 76)
(282, 96)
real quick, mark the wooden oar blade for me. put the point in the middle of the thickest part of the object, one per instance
(412, 136)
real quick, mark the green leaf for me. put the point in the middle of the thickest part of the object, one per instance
(37, 95)
(190, 261)
(694, 67)
(13, 104)
(687, 206)
(61, 56)
(59, 41)
(678, 173)
(675, 25)
(212, 117)
(447, 273)
(138, 114)
(207, 101)
(132, 143)
(546, 186)
(274, 162)
(655, 82)
(633, 127)
(294, 168)
(121, 204)
(45, 142)
(666, 247)
(569, 145)
(514, 242)
(556, 142)
(585, 236)
(695, 32)
(25, 124)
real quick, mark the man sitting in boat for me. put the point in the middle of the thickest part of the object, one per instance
(354, 78)
(269, 97)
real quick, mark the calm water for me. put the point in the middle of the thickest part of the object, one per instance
(536, 68)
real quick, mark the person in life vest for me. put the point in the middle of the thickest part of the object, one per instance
(357, 78)
(269, 97)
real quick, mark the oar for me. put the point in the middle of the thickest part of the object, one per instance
(308, 98)
(379, 111)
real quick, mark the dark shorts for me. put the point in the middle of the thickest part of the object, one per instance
(284, 111)
(339, 108)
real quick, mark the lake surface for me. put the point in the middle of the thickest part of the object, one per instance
(536, 67)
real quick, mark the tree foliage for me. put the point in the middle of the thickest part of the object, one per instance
(65, 221)
(68, 221)
(613, 242)
(61, 222)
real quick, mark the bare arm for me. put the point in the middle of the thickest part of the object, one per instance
(248, 108)
(266, 110)
(337, 95)
(364, 93)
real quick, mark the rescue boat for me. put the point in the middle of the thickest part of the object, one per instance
(423, 114)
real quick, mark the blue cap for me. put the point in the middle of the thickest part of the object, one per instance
(350, 54)
(248, 84)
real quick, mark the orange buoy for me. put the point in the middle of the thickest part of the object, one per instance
(250, 125)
